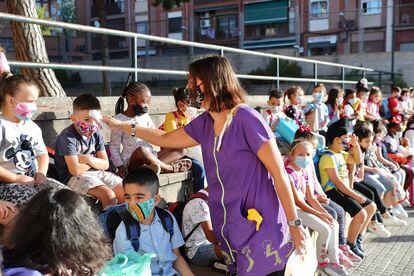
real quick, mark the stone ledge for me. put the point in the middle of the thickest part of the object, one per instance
(169, 178)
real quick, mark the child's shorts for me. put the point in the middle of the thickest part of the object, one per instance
(349, 204)
(92, 179)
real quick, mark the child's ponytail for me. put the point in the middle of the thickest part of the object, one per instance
(120, 103)
(133, 87)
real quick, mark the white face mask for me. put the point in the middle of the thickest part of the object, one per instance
(398, 134)
(274, 108)
(339, 100)
(299, 99)
(190, 112)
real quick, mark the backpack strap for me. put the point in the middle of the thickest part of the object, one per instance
(329, 183)
(293, 174)
(133, 229)
(166, 221)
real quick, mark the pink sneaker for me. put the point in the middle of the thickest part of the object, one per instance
(349, 254)
(343, 260)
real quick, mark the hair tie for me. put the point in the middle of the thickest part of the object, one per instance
(304, 129)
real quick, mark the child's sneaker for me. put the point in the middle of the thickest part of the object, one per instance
(400, 212)
(349, 254)
(354, 248)
(379, 229)
(335, 269)
(359, 243)
(394, 221)
(343, 260)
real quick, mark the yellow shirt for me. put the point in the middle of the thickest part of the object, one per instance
(173, 121)
(337, 160)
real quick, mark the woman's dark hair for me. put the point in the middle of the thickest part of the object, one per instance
(221, 86)
(9, 84)
(181, 95)
(332, 96)
(57, 233)
(132, 88)
(276, 93)
(349, 92)
(86, 102)
(291, 91)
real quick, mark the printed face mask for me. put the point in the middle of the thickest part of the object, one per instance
(24, 111)
(86, 129)
(190, 112)
(303, 161)
(196, 96)
(141, 211)
(318, 96)
(139, 110)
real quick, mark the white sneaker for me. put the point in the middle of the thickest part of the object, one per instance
(400, 212)
(393, 221)
(379, 229)
(335, 270)
(405, 203)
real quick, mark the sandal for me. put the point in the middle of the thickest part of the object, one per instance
(182, 165)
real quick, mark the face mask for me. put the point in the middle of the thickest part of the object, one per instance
(398, 134)
(303, 161)
(141, 211)
(139, 110)
(352, 101)
(86, 129)
(190, 112)
(365, 98)
(406, 98)
(24, 111)
(345, 143)
(196, 96)
(339, 100)
(318, 96)
(299, 99)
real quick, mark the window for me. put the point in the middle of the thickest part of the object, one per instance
(142, 27)
(318, 9)
(371, 6)
(174, 25)
(405, 47)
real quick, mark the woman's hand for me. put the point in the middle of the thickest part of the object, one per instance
(113, 123)
(24, 179)
(39, 178)
(299, 238)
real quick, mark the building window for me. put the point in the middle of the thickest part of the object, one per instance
(405, 47)
(371, 6)
(142, 27)
(319, 9)
(174, 25)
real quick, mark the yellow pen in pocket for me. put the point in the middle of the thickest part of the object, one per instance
(253, 215)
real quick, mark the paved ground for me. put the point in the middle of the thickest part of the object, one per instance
(391, 257)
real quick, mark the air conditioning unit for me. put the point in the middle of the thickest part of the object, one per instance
(205, 23)
(405, 19)
(205, 16)
(349, 25)
(122, 44)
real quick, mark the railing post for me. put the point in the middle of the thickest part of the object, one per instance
(277, 73)
(315, 73)
(343, 77)
(135, 58)
(222, 52)
(379, 79)
(363, 73)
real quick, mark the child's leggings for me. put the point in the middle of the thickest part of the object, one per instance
(338, 214)
(327, 242)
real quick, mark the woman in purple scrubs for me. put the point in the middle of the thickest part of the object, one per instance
(244, 171)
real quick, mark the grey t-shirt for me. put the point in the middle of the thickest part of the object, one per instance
(20, 144)
(70, 142)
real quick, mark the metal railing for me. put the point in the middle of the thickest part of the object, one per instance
(136, 70)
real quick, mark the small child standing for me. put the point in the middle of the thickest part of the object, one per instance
(274, 110)
(316, 111)
(129, 152)
(295, 97)
(313, 215)
(81, 160)
(351, 104)
(141, 196)
(393, 101)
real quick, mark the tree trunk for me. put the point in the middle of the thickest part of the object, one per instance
(30, 46)
(104, 49)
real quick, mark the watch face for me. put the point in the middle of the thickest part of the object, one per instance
(297, 222)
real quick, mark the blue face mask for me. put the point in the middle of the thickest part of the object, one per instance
(141, 211)
(352, 101)
(318, 96)
(303, 161)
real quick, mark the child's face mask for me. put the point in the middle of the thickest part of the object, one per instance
(141, 211)
(303, 161)
(318, 96)
(339, 100)
(352, 101)
(24, 111)
(190, 112)
(139, 110)
(86, 128)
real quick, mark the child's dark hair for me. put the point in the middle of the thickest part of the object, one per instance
(396, 89)
(319, 85)
(9, 84)
(133, 88)
(405, 91)
(363, 124)
(378, 126)
(143, 177)
(292, 91)
(57, 233)
(364, 132)
(304, 133)
(392, 125)
(86, 102)
(333, 95)
(375, 90)
(276, 93)
(181, 95)
(349, 92)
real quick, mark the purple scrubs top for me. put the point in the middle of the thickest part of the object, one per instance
(239, 181)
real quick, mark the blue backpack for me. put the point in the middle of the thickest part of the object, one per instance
(112, 217)
(316, 160)
(385, 111)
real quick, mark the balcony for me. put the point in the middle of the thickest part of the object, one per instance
(202, 2)
(111, 9)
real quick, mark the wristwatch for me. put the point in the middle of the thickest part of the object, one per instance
(133, 126)
(295, 222)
